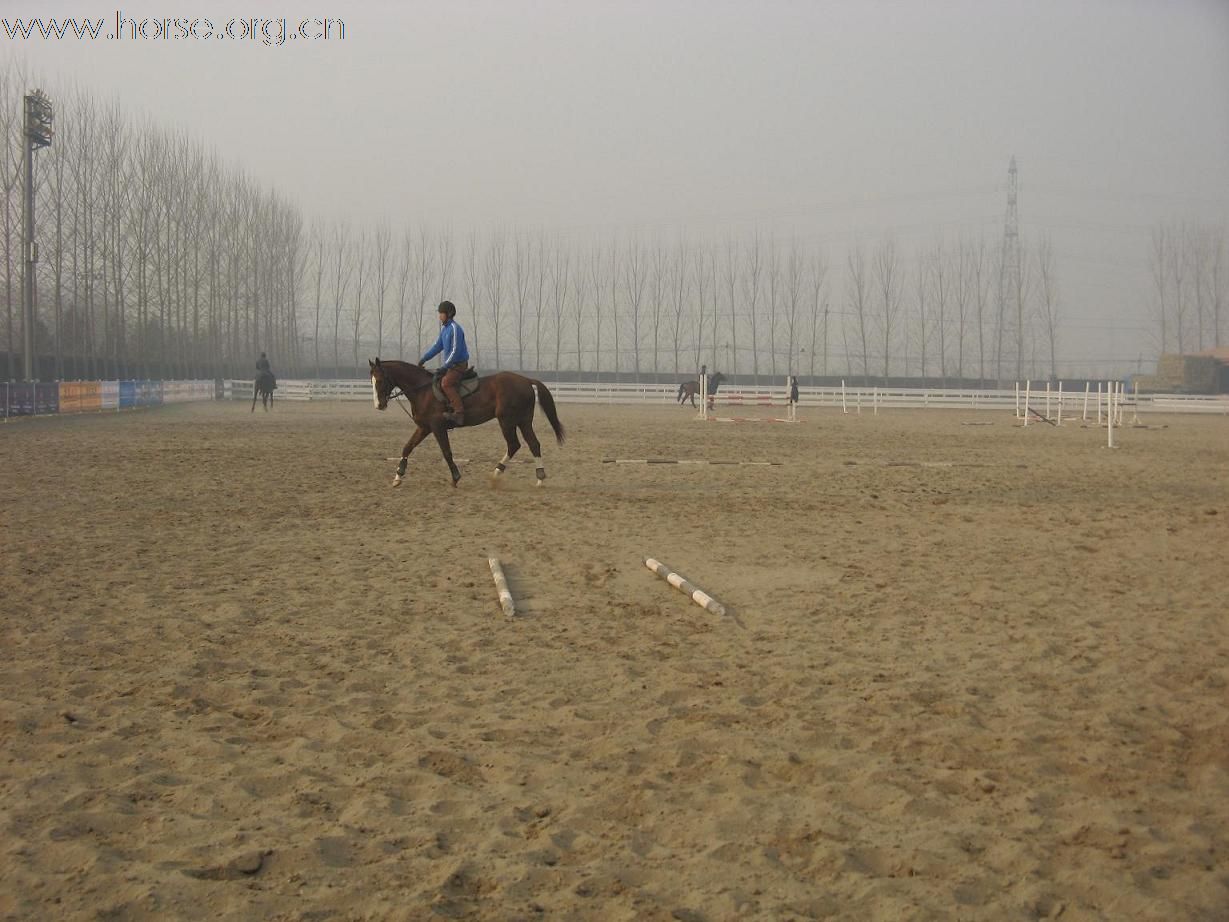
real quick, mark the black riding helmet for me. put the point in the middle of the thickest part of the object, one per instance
(447, 307)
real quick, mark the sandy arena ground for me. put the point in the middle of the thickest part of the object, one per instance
(242, 677)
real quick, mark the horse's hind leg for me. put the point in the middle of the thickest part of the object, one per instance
(514, 444)
(441, 436)
(535, 447)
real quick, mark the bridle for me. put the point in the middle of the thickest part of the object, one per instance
(396, 390)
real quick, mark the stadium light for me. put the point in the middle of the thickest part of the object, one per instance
(38, 130)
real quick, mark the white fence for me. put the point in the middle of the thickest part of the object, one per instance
(851, 398)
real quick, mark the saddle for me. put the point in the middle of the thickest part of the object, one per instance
(467, 385)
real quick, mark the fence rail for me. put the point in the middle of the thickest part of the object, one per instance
(763, 395)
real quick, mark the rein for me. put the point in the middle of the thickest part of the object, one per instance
(400, 391)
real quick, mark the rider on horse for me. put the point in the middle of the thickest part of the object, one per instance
(454, 361)
(265, 371)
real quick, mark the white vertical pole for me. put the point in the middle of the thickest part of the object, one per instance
(1017, 400)
(1098, 403)
(1109, 403)
(1135, 406)
(704, 396)
(875, 401)
(844, 408)
(859, 401)
(1086, 386)
(1060, 403)
(1028, 390)
(1047, 399)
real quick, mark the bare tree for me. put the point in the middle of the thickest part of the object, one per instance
(979, 271)
(925, 270)
(318, 237)
(941, 276)
(522, 289)
(658, 285)
(597, 278)
(701, 263)
(430, 260)
(795, 273)
(1048, 291)
(580, 295)
(732, 279)
(634, 276)
(561, 281)
(344, 263)
(859, 299)
(679, 279)
(405, 269)
(496, 257)
(381, 243)
(471, 270)
(751, 296)
(774, 302)
(818, 278)
(887, 278)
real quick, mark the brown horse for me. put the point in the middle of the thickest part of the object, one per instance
(690, 389)
(263, 388)
(504, 396)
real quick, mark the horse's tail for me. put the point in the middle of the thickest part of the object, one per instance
(548, 407)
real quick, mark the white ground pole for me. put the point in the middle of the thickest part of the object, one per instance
(501, 586)
(1028, 389)
(699, 596)
(1086, 387)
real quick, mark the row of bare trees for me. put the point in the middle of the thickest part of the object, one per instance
(160, 260)
(759, 306)
(1190, 275)
(155, 258)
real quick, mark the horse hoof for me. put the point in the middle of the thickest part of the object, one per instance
(540, 482)
(397, 481)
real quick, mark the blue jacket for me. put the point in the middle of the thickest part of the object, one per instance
(451, 343)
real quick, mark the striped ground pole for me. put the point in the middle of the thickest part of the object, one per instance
(501, 586)
(697, 595)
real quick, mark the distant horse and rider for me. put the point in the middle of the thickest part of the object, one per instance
(265, 383)
(689, 390)
(503, 396)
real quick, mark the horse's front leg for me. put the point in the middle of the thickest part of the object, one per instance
(441, 436)
(419, 434)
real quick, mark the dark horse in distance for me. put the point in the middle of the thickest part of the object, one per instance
(691, 389)
(263, 387)
(504, 396)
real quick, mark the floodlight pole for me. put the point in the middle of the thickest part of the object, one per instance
(38, 117)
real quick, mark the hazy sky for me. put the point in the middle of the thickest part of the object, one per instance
(837, 122)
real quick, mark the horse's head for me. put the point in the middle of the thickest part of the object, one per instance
(381, 384)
